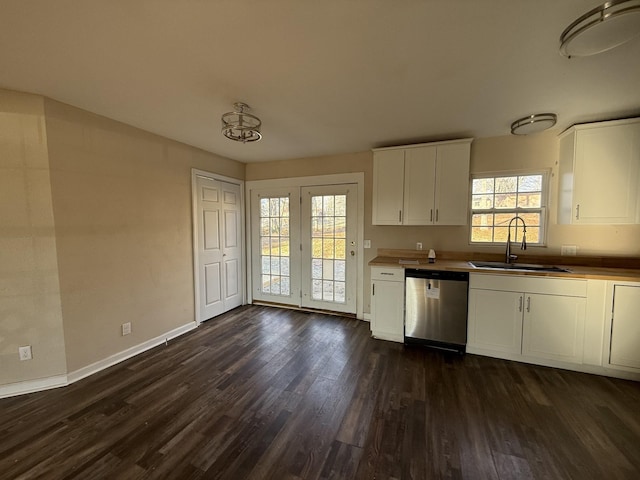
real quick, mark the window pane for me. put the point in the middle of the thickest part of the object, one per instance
(327, 269)
(274, 209)
(506, 184)
(266, 265)
(482, 202)
(316, 247)
(341, 227)
(275, 265)
(500, 234)
(533, 235)
(275, 226)
(284, 266)
(482, 185)
(284, 246)
(316, 289)
(530, 183)
(327, 248)
(316, 206)
(264, 226)
(316, 268)
(265, 245)
(481, 234)
(285, 288)
(340, 270)
(316, 226)
(284, 207)
(529, 200)
(327, 291)
(275, 246)
(328, 227)
(340, 289)
(503, 219)
(284, 227)
(482, 220)
(328, 204)
(341, 205)
(506, 200)
(531, 219)
(275, 285)
(341, 248)
(266, 284)
(264, 207)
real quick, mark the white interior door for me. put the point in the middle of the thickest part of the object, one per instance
(275, 225)
(218, 246)
(328, 260)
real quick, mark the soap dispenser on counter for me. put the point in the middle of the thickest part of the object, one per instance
(432, 256)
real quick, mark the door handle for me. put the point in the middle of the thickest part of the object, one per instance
(352, 253)
(520, 307)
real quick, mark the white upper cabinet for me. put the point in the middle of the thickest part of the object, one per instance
(599, 173)
(426, 184)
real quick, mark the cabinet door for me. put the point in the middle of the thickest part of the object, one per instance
(495, 320)
(388, 187)
(625, 327)
(419, 186)
(452, 184)
(387, 310)
(606, 175)
(553, 327)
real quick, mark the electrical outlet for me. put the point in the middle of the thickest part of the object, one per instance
(568, 250)
(126, 328)
(25, 353)
(367, 244)
(419, 246)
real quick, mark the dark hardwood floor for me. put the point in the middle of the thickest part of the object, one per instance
(263, 393)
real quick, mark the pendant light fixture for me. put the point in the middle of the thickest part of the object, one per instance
(603, 28)
(533, 123)
(240, 125)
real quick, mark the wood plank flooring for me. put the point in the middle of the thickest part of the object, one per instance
(263, 393)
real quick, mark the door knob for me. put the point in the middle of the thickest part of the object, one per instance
(352, 253)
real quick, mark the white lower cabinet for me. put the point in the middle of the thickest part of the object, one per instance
(624, 342)
(553, 327)
(387, 303)
(495, 320)
(527, 318)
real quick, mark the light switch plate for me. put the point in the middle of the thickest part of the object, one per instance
(25, 352)
(568, 250)
(367, 244)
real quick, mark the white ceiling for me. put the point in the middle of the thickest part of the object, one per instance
(325, 77)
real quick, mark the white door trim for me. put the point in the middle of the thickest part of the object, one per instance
(196, 271)
(335, 179)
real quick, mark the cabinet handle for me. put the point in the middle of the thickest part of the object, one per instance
(528, 304)
(431, 217)
(520, 307)
(400, 216)
(374, 289)
(436, 215)
(578, 212)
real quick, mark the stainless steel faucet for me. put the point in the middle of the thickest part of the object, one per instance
(523, 246)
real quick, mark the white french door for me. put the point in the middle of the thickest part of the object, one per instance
(328, 232)
(304, 246)
(275, 215)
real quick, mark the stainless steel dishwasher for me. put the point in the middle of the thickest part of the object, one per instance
(436, 309)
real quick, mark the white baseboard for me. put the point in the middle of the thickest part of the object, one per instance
(30, 386)
(366, 317)
(128, 353)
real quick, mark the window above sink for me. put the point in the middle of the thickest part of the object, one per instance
(497, 198)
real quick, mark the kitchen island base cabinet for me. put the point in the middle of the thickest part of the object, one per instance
(387, 303)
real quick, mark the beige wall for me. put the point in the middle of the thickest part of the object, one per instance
(487, 155)
(122, 207)
(30, 312)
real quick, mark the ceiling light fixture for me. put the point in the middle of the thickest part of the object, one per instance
(241, 126)
(533, 123)
(603, 28)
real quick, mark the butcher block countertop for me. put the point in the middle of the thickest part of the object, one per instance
(600, 268)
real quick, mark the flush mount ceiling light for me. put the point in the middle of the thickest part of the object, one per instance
(533, 123)
(241, 126)
(603, 28)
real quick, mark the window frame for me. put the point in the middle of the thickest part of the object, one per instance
(543, 209)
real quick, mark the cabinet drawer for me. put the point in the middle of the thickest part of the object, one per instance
(521, 283)
(391, 274)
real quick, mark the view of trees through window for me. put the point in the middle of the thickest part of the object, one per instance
(496, 200)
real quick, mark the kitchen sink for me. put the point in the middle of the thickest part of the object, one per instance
(528, 267)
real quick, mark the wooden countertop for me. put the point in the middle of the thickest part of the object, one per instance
(460, 265)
